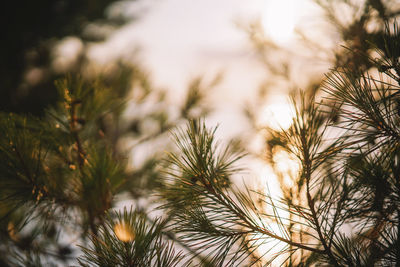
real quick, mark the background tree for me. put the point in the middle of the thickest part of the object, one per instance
(64, 171)
(31, 30)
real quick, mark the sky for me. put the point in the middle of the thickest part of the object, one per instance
(177, 40)
(180, 38)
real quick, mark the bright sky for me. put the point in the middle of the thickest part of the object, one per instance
(181, 39)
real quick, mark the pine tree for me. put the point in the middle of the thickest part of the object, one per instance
(33, 30)
(60, 175)
(347, 206)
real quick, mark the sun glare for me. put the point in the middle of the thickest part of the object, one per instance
(280, 18)
(277, 114)
(272, 189)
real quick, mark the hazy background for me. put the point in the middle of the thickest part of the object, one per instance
(176, 40)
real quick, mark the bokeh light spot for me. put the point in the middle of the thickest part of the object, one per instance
(124, 232)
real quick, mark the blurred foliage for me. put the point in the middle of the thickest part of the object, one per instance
(349, 26)
(31, 30)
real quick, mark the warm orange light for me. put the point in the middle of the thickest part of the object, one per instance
(124, 232)
(12, 231)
